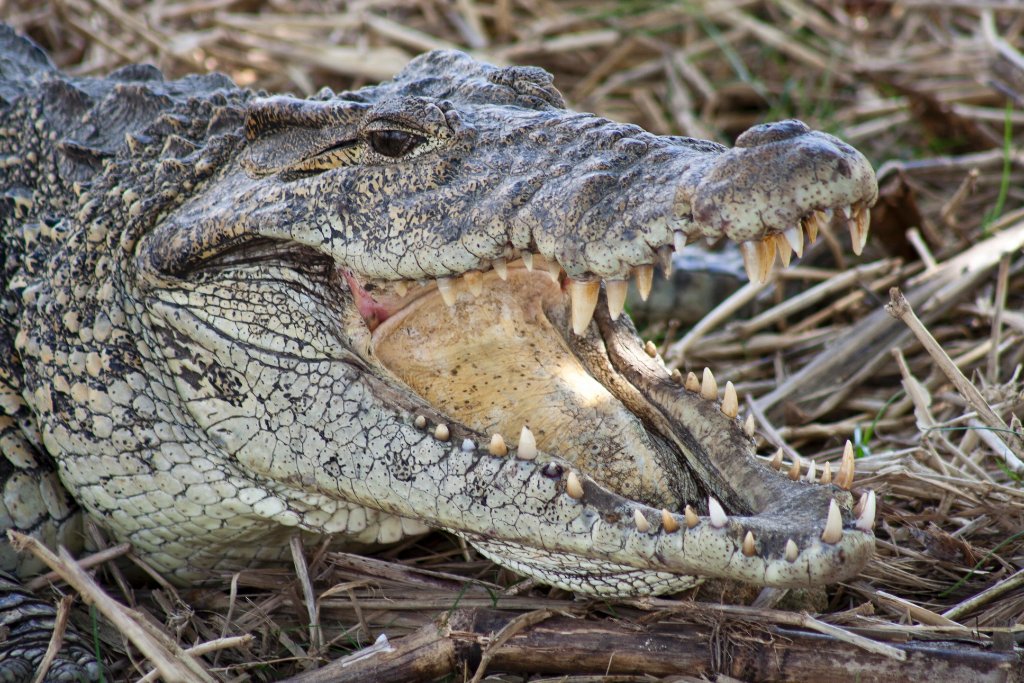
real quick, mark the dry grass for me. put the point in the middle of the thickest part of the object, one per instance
(930, 90)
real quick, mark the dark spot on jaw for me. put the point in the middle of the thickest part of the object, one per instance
(552, 470)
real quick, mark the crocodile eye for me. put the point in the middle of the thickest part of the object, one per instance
(394, 143)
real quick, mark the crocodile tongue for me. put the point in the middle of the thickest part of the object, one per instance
(499, 360)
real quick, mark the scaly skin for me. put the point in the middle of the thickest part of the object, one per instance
(199, 281)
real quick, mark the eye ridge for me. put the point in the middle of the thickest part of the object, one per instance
(394, 143)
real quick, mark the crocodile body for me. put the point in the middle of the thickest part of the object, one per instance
(227, 317)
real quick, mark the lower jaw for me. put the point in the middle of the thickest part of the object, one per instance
(497, 360)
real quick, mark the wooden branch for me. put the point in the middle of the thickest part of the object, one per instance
(708, 647)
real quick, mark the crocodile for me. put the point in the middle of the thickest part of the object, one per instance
(230, 317)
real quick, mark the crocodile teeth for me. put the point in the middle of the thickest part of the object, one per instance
(679, 241)
(474, 281)
(528, 260)
(785, 251)
(708, 386)
(846, 212)
(749, 426)
(665, 260)
(420, 422)
(758, 259)
(844, 478)
(441, 432)
(866, 520)
(826, 474)
(794, 469)
(692, 519)
(642, 525)
(692, 384)
(776, 461)
(584, 299)
(677, 376)
(468, 446)
(859, 229)
(444, 285)
(573, 486)
(497, 446)
(401, 288)
(812, 224)
(795, 239)
(555, 271)
(644, 280)
(668, 522)
(500, 267)
(527, 444)
(834, 524)
(616, 291)
(730, 403)
(651, 349)
(718, 517)
(811, 471)
(791, 551)
(748, 545)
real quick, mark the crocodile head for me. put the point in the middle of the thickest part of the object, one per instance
(409, 298)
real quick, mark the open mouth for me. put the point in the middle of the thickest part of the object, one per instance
(534, 360)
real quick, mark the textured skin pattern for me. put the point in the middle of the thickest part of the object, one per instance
(193, 275)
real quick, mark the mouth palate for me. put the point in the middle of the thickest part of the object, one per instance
(500, 351)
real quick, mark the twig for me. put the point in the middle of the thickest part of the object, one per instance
(987, 595)
(85, 563)
(899, 308)
(168, 658)
(60, 625)
(523, 621)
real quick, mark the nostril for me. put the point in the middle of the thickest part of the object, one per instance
(772, 132)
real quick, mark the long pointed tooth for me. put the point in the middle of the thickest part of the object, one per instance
(692, 384)
(730, 403)
(785, 251)
(795, 238)
(751, 260)
(573, 486)
(616, 291)
(500, 267)
(826, 474)
(812, 473)
(642, 525)
(651, 349)
(776, 461)
(847, 212)
(420, 422)
(791, 551)
(794, 469)
(584, 299)
(834, 524)
(708, 386)
(844, 478)
(665, 260)
(554, 270)
(766, 253)
(677, 376)
(859, 225)
(718, 517)
(679, 241)
(866, 520)
(668, 522)
(444, 286)
(474, 281)
(692, 519)
(497, 446)
(644, 280)
(527, 449)
(812, 224)
(749, 426)
(748, 545)
(528, 260)
(401, 287)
